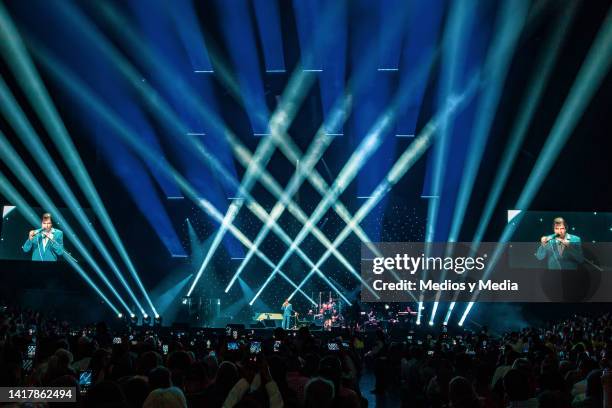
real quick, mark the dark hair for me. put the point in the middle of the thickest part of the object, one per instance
(160, 377)
(46, 217)
(461, 393)
(594, 388)
(319, 392)
(559, 220)
(516, 385)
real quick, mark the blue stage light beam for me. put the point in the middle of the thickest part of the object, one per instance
(448, 313)
(390, 52)
(269, 26)
(367, 147)
(159, 107)
(306, 17)
(153, 21)
(273, 186)
(460, 21)
(322, 141)
(25, 72)
(165, 112)
(590, 76)
(421, 37)
(378, 92)
(329, 64)
(410, 156)
(247, 293)
(17, 118)
(9, 192)
(465, 313)
(239, 36)
(188, 28)
(459, 18)
(535, 89)
(305, 163)
(510, 22)
(300, 81)
(73, 84)
(166, 293)
(432, 317)
(14, 162)
(240, 151)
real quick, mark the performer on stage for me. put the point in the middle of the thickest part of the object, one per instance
(562, 250)
(287, 310)
(46, 243)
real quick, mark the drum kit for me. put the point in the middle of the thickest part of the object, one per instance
(329, 313)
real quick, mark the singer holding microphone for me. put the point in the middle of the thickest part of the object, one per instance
(287, 311)
(561, 250)
(46, 243)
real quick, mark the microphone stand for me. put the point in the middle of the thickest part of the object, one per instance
(573, 252)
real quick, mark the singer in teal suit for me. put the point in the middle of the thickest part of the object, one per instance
(47, 243)
(287, 311)
(561, 250)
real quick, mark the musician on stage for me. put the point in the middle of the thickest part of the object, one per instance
(287, 311)
(327, 312)
(46, 243)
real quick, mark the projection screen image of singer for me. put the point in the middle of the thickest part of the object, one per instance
(46, 243)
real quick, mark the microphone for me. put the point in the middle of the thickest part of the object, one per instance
(551, 239)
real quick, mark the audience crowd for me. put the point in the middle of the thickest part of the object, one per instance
(561, 364)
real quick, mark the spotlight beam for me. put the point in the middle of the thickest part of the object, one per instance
(372, 140)
(316, 150)
(368, 146)
(410, 156)
(306, 170)
(537, 84)
(10, 157)
(287, 146)
(160, 107)
(9, 191)
(510, 22)
(589, 78)
(460, 18)
(23, 129)
(448, 313)
(280, 120)
(34, 89)
(271, 184)
(82, 91)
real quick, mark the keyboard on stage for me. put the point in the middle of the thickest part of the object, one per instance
(268, 316)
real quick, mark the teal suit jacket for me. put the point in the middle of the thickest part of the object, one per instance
(50, 252)
(570, 258)
(287, 310)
